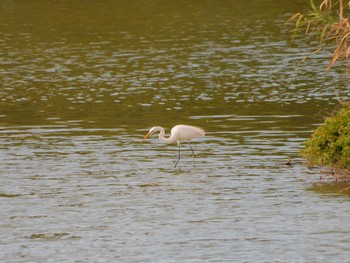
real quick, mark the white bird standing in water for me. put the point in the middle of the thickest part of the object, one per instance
(179, 133)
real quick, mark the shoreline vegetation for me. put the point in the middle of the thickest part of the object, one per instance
(328, 22)
(329, 145)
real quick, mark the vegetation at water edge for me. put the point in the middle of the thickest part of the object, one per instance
(330, 23)
(329, 145)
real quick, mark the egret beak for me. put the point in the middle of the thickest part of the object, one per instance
(146, 136)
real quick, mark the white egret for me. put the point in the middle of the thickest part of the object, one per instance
(179, 133)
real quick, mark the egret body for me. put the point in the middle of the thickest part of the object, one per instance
(179, 133)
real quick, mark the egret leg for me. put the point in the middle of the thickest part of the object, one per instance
(192, 153)
(178, 158)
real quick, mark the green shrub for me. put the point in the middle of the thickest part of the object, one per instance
(329, 145)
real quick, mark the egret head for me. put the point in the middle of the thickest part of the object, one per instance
(148, 134)
(151, 131)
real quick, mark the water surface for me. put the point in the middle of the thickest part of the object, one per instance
(81, 84)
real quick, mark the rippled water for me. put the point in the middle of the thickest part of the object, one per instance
(81, 84)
